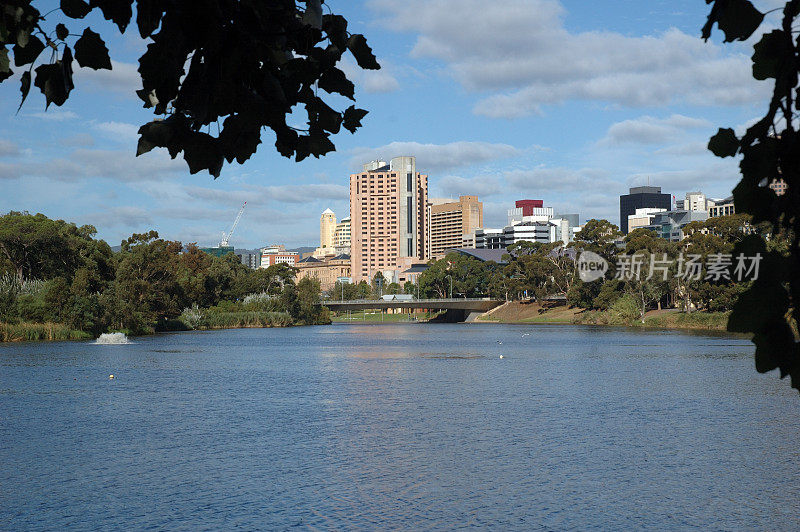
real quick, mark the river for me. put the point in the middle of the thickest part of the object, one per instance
(414, 426)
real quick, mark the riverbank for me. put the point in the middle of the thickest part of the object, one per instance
(32, 332)
(531, 312)
(199, 321)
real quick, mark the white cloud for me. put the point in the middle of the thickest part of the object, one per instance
(372, 81)
(57, 115)
(115, 165)
(122, 216)
(521, 51)
(651, 130)
(119, 131)
(436, 157)
(123, 78)
(8, 148)
(261, 195)
(481, 185)
(547, 180)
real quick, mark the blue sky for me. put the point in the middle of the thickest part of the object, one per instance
(566, 101)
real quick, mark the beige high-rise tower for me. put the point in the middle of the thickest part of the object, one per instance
(327, 227)
(449, 222)
(388, 204)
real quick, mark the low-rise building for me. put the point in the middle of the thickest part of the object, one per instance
(643, 217)
(277, 254)
(723, 207)
(669, 224)
(327, 271)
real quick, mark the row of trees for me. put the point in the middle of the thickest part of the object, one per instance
(55, 271)
(535, 270)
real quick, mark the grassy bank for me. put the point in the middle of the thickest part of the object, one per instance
(235, 320)
(523, 312)
(29, 332)
(377, 316)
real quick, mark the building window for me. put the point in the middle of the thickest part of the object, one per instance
(410, 219)
(409, 182)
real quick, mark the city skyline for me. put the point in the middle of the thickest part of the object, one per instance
(480, 119)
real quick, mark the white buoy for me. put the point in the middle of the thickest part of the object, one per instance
(501, 356)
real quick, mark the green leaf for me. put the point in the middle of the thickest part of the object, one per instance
(335, 26)
(239, 139)
(352, 118)
(335, 81)
(738, 19)
(201, 152)
(5, 65)
(91, 51)
(313, 14)
(28, 54)
(75, 8)
(724, 143)
(358, 46)
(148, 16)
(61, 31)
(770, 54)
(322, 115)
(117, 11)
(55, 79)
(25, 87)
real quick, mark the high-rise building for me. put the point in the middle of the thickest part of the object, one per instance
(327, 226)
(640, 198)
(388, 204)
(341, 237)
(449, 221)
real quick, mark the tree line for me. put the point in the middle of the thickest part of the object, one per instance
(55, 271)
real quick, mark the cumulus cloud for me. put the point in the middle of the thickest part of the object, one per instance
(521, 51)
(546, 180)
(122, 79)
(120, 131)
(651, 130)
(719, 177)
(481, 185)
(115, 165)
(436, 157)
(261, 195)
(56, 115)
(8, 148)
(9, 171)
(78, 140)
(122, 216)
(371, 81)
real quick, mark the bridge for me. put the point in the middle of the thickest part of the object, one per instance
(458, 309)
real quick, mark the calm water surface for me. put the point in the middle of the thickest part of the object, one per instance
(398, 426)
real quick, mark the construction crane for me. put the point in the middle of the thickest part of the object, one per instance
(226, 237)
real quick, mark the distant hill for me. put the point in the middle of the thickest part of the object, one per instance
(303, 249)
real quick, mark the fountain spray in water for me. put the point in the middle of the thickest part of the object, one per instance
(112, 339)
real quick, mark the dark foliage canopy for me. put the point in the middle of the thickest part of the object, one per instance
(770, 151)
(216, 72)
